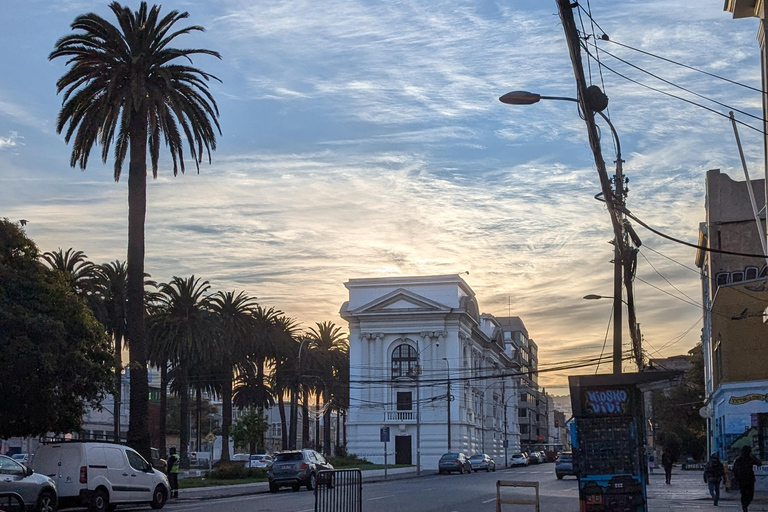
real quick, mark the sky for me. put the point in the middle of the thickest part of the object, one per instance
(365, 139)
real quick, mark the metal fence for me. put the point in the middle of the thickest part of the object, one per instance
(339, 490)
(7, 500)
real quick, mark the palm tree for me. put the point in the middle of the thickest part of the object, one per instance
(124, 85)
(73, 265)
(327, 341)
(237, 328)
(184, 330)
(109, 289)
(283, 373)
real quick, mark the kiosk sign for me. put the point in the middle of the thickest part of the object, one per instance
(600, 402)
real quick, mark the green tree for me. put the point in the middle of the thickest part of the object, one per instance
(124, 85)
(55, 355)
(249, 429)
(328, 342)
(73, 265)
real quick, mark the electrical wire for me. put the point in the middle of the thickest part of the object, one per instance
(605, 341)
(667, 280)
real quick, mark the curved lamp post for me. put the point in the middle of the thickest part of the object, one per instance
(597, 102)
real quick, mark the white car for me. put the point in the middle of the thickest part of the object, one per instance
(518, 459)
(37, 492)
(261, 460)
(100, 475)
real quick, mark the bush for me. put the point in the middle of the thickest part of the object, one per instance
(234, 471)
(348, 460)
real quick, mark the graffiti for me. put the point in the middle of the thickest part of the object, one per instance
(608, 401)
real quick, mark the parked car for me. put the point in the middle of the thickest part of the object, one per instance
(242, 457)
(157, 462)
(296, 468)
(542, 457)
(533, 458)
(21, 457)
(482, 461)
(259, 461)
(100, 475)
(518, 459)
(38, 492)
(564, 465)
(451, 462)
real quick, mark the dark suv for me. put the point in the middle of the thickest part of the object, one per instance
(296, 468)
(564, 465)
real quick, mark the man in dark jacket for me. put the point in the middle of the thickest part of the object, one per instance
(667, 462)
(713, 475)
(744, 473)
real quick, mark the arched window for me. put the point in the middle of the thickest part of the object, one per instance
(404, 361)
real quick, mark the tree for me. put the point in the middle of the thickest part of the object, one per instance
(328, 343)
(124, 85)
(234, 314)
(184, 330)
(249, 430)
(55, 355)
(73, 265)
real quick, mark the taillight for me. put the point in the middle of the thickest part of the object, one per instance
(303, 466)
(83, 474)
(458, 462)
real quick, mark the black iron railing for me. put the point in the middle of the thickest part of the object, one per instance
(339, 490)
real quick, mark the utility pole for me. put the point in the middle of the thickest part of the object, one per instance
(448, 399)
(588, 100)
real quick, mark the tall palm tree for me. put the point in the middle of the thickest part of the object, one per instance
(185, 332)
(237, 328)
(283, 372)
(124, 85)
(327, 340)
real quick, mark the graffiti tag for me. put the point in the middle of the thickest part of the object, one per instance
(608, 401)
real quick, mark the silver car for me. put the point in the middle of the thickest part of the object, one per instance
(37, 491)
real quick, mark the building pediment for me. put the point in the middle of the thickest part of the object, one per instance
(401, 301)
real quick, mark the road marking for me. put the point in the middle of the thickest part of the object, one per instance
(490, 500)
(380, 497)
(428, 489)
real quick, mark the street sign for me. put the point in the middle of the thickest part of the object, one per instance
(384, 434)
(506, 443)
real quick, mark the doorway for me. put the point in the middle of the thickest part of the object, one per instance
(403, 450)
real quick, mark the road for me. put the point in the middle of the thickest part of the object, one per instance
(443, 493)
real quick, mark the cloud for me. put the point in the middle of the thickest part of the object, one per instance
(12, 140)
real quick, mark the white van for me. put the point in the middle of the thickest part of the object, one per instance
(100, 475)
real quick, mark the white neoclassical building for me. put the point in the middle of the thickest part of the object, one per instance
(414, 342)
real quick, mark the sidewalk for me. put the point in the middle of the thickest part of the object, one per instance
(224, 491)
(689, 493)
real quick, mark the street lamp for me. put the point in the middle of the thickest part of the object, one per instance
(448, 399)
(597, 102)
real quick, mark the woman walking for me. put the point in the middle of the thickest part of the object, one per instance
(667, 462)
(713, 475)
(744, 473)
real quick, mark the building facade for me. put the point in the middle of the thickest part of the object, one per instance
(425, 364)
(734, 334)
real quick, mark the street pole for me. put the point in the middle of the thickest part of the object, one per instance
(618, 268)
(418, 409)
(448, 399)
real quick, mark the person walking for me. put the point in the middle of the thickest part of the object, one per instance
(744, 473)
(667, 462)
(173, 472)
(713, 475)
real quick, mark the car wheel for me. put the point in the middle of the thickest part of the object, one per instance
(159, 497)
(46, 502)
(439, 471)
(559, 477)
(99, 501)
(312, 482)
(273, 487)
(461, 470)
(295, 487)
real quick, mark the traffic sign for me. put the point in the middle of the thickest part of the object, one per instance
(384, 434)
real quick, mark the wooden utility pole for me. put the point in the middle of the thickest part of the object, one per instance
(613, 199)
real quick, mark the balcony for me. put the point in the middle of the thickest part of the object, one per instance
(399, 417)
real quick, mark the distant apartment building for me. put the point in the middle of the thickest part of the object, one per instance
(734, 334)
(428, 368)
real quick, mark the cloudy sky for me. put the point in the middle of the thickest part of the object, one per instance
(365, 139)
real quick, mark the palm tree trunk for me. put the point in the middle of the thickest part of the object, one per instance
(345, 432)
(326, 425)
(338, 433)
(184, 417)
(294, 419)
(317, 419)
(163, 409)
(198, 418)
(305, 418)
(226, 412)
(138, 425)
(283, 425)
(118, 382)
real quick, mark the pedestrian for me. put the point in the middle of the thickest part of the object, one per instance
(650, 462)
(173, 472)
(667, 462)
(713, 475)
(744, 474)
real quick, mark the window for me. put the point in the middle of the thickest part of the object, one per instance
(522, 413)
(523, 429)
(136, 461)
(751, 273)
(404, 401)
(404, 359)
(523, 397)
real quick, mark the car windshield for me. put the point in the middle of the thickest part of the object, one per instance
(565, 456)
(449, 456)
(288, 456)
(517, 456)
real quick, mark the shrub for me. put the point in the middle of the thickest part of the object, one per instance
(348, 460)
(237, 471)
